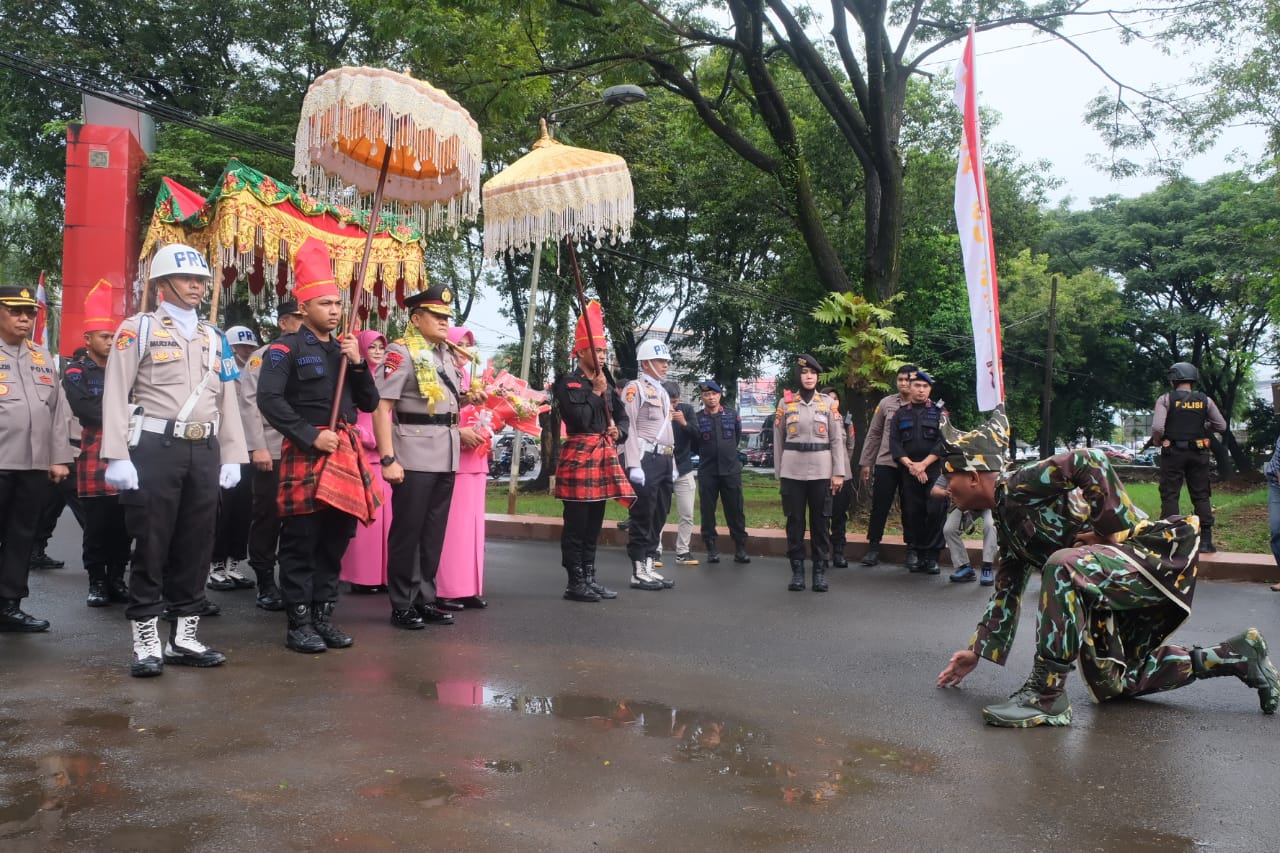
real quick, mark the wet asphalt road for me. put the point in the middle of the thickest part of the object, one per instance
(726, 714)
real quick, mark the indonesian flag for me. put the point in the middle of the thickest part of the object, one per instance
(973, 218)
(42, 314)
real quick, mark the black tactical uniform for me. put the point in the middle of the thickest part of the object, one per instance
(915, 434)
(720, 477)
(1180, 426)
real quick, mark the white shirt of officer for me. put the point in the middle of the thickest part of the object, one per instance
(649, 409)
(33, 409)
(159, 375)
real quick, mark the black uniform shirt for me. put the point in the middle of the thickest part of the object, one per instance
(297, 381)
(685, 437)
(83, 384)
(718, 437)
(582, 410)
(915, 431)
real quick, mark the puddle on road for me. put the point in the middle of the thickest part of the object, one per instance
(101, 720)
(426, 791)
(34, 806)
(724, 746)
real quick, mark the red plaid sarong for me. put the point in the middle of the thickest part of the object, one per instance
(589, 471)
(310, 479)
(91, 471)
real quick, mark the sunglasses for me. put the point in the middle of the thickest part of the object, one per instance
(26, 310)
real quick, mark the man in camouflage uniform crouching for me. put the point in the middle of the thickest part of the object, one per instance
(1114, 585)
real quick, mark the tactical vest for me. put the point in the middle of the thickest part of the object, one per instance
(707, 424)
(1188, 411)
(930, 419)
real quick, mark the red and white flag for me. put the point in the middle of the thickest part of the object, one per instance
(973, 218)
(42, 314)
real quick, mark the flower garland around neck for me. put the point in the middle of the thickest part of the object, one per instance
(421, 352)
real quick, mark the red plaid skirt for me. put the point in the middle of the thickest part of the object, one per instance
(589, 471)
(91, 471)
(310, 479)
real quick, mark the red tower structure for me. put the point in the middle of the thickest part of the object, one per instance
(101, 238)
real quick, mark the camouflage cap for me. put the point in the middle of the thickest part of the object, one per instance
(982, 449)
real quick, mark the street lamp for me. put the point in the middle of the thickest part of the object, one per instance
(614, 96)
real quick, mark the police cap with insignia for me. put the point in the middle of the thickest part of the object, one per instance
(289, 306)
(803, 359)
(17, 296)
(438, 299)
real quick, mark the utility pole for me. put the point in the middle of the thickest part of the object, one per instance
(1046, 406)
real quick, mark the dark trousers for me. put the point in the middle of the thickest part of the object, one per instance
(923, 516)
(581, 532)
(886, 484)
(811, 497)
(653, 503)
(727, 488)
(311, 549)
(235, 514)
(106, 538)
(171, 518)
(22, 496)
(56, 499)
(1176, 465)
(419, 514)
(264, 521)
(840, 503)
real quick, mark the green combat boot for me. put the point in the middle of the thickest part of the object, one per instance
(1042, 700)
(1245, 657)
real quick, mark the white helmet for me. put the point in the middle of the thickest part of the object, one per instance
(177, 259)
(650, 350)
(241, 336)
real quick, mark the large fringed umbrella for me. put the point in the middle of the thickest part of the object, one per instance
(387, 137)
(555, 192)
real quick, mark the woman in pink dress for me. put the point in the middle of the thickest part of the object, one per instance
(460, 580)
(364, 566)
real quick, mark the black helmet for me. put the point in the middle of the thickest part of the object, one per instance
(1184, 372)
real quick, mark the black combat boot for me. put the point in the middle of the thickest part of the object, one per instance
(41, 560)
(914, 561)
(268, 593)
(14, 620)
(301, 636)
(577, 590)
(98, 595)
(1245, 657)
(872, 557)
(819, 575)
(838, 561)
(183, 647)
(1206, 540)
(322, 621)
(797, 576)
(117, 588)
(589, 578)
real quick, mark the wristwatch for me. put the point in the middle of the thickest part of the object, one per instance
(387, 460)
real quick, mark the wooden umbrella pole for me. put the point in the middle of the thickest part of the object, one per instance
(359, 285)
(586, 321)
(213, 305)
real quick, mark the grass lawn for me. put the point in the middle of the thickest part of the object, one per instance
(1241, 515)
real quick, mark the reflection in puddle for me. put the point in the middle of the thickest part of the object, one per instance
(101, 720)
(32, 809)
(724, 746)
(426, 791)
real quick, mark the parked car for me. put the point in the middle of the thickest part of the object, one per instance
(758, 452)
(1116, 452)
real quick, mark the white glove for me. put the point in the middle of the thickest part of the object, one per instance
(121, 475)
(229, 476)
(636, 475)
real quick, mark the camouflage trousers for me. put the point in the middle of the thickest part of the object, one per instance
(1095, 606)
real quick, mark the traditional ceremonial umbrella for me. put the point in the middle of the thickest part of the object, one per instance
(401, 139)
(552, 193)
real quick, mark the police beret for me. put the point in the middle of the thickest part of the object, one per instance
(438, 299)
(921, 376)
(711, 385)
(805, 360)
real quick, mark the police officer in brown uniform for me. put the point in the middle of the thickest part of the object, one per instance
(171, 435)
(1180, 427)
(33, 449)
(416, 426)
(880, 468)
(264, 444)
(811, 465)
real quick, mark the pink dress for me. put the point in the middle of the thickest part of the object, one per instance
(461, 573)
(365, 562)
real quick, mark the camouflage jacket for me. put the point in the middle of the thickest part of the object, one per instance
(1041, 507)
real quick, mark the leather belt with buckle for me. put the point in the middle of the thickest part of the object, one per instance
(187, 431)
